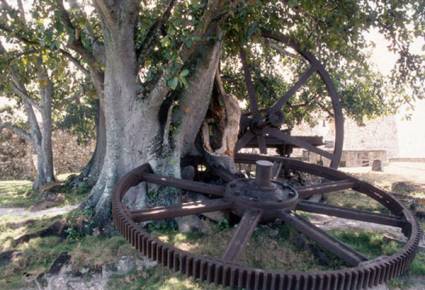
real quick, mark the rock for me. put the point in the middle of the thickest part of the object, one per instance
(377, 165)
(89, 278)
(274, 233)
(55, 229)
(60, 261)
(189, 224)
(48, 200)
(6, 257)
(51, 187)
(216, 216)
(42, 205)
(316, 198)
(380, 287)
(144, 263)
(125, 265)
(404, 187)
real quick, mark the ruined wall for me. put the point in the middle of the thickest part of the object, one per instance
(374, 140)
(379, 134)
(16, 156)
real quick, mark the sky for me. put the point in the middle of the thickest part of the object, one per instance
(411, 132)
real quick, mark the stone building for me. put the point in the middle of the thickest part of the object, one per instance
(387, 138)
(17, 159)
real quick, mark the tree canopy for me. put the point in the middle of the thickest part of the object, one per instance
(334, 31)
(151, 66)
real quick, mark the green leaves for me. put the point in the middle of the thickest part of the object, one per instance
(180, 79)
(173, 83)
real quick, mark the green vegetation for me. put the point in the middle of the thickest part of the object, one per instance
(158, 278)
(271, 247)
(371, 244)
(19, 193)
(274, 247)
(16, 193)
(354, 199)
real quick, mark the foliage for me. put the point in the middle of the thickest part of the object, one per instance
(370, 243)
(16, 193)
(334, 32)
(34, 41)
(80, 224)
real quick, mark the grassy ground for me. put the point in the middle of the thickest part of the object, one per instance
(19, 193)
(16, 193)
(271, 247)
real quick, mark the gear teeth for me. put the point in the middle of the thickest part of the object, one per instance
(366, 275)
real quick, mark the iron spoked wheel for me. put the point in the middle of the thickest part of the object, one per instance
(260, 201)
(262, 127)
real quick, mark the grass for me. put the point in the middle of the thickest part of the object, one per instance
(158, 278)
(271, 247)
(88, 252)
(354, 199)
(19, 193)
(371, 244)
(16, 193)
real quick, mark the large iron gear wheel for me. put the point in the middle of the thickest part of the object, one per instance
(260, 201)
(262, 127)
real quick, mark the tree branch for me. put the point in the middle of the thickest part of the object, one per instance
(22, 92)
(212, 15)
(105, 12)
(5, 5)
(74, 39)
(152, 35)
(21, 11)
(74, 60)
(17, 130)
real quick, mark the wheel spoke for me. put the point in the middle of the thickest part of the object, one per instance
(349, 213)
(277, 167)
(243, 232)
(248, 136)
(331, 186)
(301, 81)
(350, 256)
(297, 142)
(262, 144)
(227, 176)
(188, 208)
(189, 185)
(249, 84)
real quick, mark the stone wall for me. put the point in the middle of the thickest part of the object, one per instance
(16, 156)
(375, 140)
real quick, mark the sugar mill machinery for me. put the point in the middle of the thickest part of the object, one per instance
(263, 197)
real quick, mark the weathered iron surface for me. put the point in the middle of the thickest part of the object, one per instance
(262, 201)
(261, 128)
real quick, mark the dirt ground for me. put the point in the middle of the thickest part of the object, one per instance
(413, 172)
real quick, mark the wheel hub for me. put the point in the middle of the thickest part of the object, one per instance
(227, 270)
(261, 193)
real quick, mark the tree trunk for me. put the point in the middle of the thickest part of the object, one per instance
(91, 171)
(43, 141)
(134, 132)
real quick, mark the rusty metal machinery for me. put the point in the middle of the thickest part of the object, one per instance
(263, 200)
(261, 128)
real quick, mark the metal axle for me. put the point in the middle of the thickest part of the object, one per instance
(263, 173)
